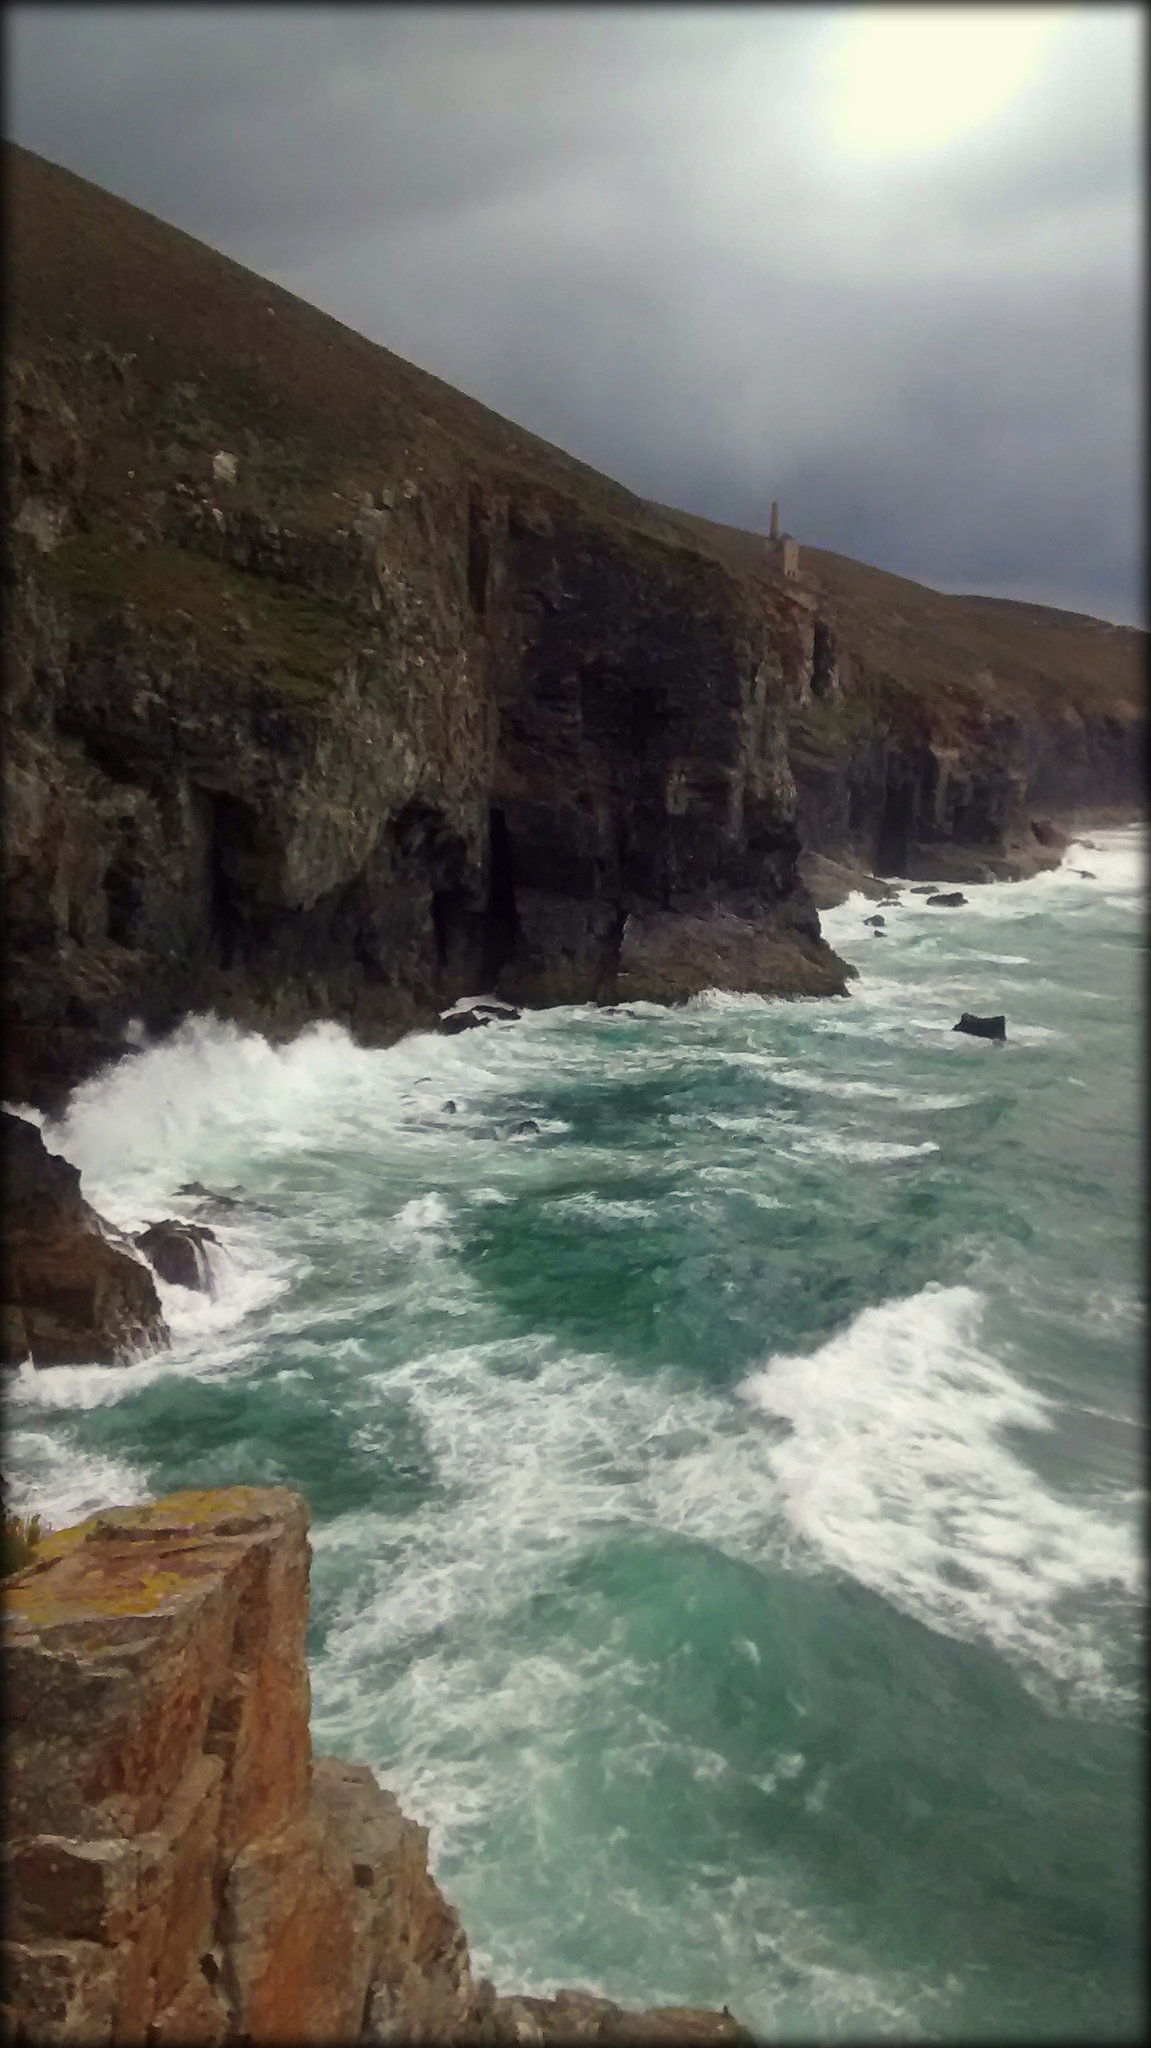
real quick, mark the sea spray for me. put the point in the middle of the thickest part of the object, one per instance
(727, 1499)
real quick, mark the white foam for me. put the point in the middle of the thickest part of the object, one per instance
(907, 1098)
(864, 1151)
(57, 1480)
(895, 1471)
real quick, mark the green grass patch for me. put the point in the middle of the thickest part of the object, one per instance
(19, 1536)
(830, 725)
(241, 620)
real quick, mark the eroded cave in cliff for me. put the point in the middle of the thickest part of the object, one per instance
(894, 824)
(500, 922)
(233, 839)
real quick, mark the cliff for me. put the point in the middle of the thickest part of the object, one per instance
(332, 694)
(946, 738)
(179, 1867)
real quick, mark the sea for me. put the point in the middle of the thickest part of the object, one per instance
(728, 1492)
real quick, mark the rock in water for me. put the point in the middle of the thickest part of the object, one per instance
(878, 919)
(219, 1196)
(982, 1027)
(71, 1296)
(923, 889)
(176, 1250)
(461, 1020)
(528, 1129)
(949, 900)
(506, 1012)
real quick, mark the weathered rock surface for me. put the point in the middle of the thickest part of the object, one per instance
(176, 1250)
(73, 1291)
(830, 882)
(179, 1868)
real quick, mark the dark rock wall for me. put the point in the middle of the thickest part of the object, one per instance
(449, 737)
(907, 786)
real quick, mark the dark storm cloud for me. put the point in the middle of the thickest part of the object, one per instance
(631, 230)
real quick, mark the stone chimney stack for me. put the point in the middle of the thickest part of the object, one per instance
(774, 520)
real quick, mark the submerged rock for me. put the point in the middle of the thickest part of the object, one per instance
(461, 1020)
(505, 1012)
(72, 1293)
(483, 1011)
(223, 1198)
(949, 900)
(923, 888)
(982, 1027)
(528, 1129)
(176, 1250)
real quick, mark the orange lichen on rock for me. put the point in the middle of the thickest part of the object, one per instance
(179, 1868)
(158, 1754)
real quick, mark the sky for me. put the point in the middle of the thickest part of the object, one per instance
(883, 264)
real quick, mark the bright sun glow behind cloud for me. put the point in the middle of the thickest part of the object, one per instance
(906, 80)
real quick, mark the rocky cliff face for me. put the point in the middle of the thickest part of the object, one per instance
(929, 735)
(961, 794)
(330, 694)
(179, 1867)
(314, 716)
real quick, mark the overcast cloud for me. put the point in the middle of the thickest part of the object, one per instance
(667, 240)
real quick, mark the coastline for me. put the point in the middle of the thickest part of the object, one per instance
(422, 1225)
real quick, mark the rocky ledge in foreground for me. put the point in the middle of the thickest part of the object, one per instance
(180, 1867)
(73, 1291)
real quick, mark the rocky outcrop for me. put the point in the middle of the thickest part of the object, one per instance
(178, 1252)
(179, 1867)
(983, 1027)
(74, 1292)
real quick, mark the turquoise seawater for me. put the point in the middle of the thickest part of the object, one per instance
(728, 1499)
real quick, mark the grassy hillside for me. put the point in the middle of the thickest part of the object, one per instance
(927, 641)
(219, 358)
